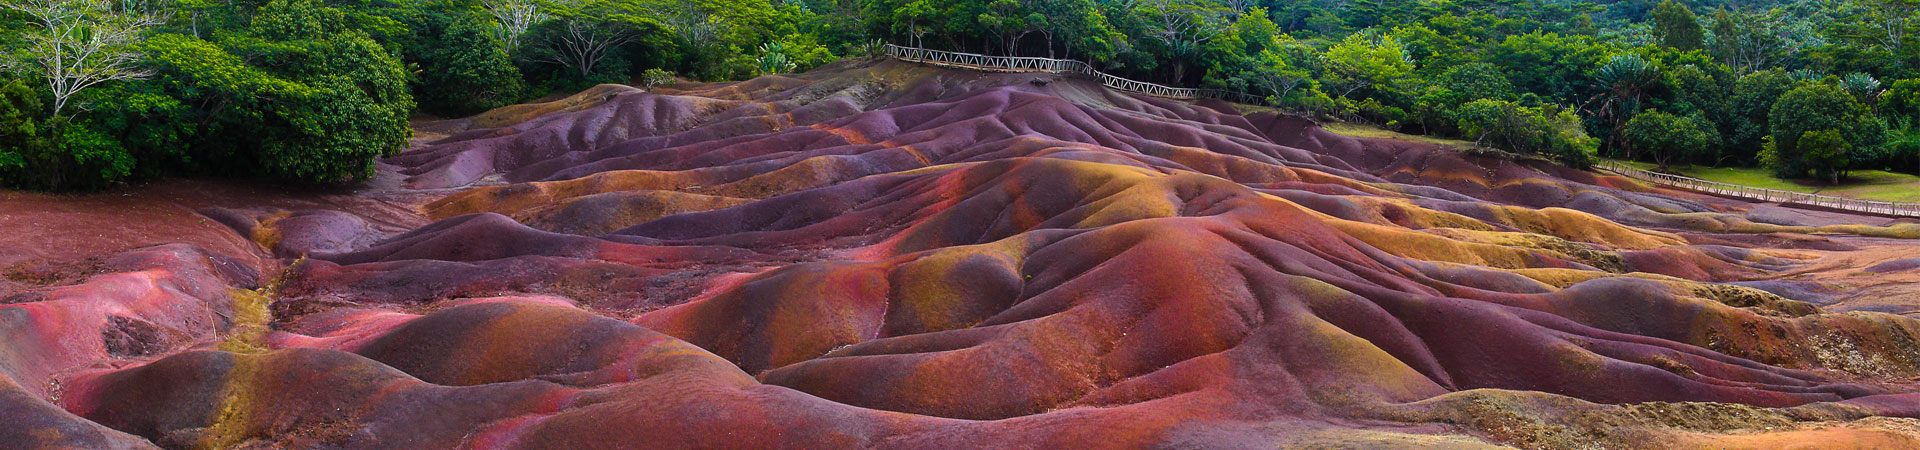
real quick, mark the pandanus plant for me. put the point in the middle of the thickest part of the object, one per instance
(1624, 79)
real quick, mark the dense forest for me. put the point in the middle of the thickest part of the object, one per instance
(312, 91)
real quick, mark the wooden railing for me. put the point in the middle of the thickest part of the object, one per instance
(1764, 194)
(1064, 66)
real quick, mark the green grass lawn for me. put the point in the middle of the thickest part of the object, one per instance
(1861, 184)
(1369, 131)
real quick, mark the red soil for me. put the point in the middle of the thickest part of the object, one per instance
(888, 255)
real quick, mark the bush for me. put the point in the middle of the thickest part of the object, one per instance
(463, 67)
(56, 153)
(298, 97)
(654, 78)
(1548, 130)
(1902, 99)
(1668, 137)
(22, 138)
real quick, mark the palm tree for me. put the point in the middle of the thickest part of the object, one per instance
(1624, 79)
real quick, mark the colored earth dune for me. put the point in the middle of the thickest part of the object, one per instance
(884, 255)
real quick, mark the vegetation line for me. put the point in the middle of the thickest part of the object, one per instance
(1065, 66)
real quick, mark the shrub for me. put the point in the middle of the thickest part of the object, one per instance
(56, 153)
(1548, 130)
(654, 78)
(1901, 99)
(463, 66)
(298, 97)
(1668, 137)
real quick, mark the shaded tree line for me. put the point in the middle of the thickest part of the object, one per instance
(322, 87)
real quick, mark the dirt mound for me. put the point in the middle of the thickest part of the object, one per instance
(879, 254)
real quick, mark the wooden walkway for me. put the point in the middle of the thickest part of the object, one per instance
(1764, 194)
(986, 63)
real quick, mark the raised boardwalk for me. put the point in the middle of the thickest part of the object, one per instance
(1764, 194)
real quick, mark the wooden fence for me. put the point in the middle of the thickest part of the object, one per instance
(1764, 194)
(989, 63)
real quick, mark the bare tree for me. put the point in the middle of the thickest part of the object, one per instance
(79, 44)
(512, 19)
(586, 36)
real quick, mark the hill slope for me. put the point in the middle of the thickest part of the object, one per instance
(878, 254)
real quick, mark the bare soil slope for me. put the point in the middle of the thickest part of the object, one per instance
(878, 254)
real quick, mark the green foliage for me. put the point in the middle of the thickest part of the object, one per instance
(1668, 137)
(1549, 65)
(1362, 62)
(772, 60)
(56, 153)
(1826, 153)
(314, 90)
(1862, 86)
(21, 134)
(1546, 130)
(1751, 105)
(462, 66)
(299, 97)
(1819, 107)
(1623, 82)
(1902, 99)
(1458, 85)
(1677, 26)
(1903, 141)
(654, 78)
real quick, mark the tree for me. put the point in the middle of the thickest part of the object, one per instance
(1458, 85)
(512, 19)
(463, 65)
(1819, 107)
(1668, 137)
(297, 96)
(1362, 62)
(1750, 42)
(1902, 99)
(1862, 86)
(1677, 27)
(772, 60)
(1280, 75)
(1884, 25)
(1624, 80)
(1549, 65)
(1076, 24)
(1546, 130)
(1750, 104)
(1903, 140)
(75, 45)
(23, 139)
(1826, 153)
(1182, 28)
(585, 32)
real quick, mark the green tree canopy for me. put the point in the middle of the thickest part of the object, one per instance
(1820, 107)
(1677, 27)
(1668, 137)
(298, 97)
